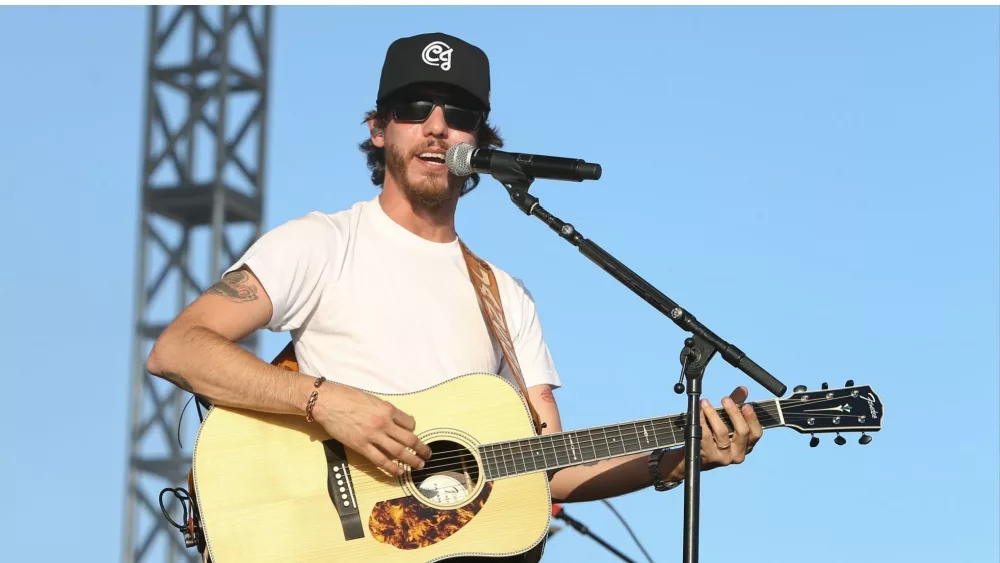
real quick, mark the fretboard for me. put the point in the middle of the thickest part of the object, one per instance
(565, 449)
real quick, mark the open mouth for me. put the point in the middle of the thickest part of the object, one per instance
(432, 158)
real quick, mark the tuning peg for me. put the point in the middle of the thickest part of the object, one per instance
(826, 385)
(799, 389)
(813, 442)
(840, 440)
(864, 439)
(850, 383)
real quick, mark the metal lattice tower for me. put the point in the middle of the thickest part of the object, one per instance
(202, 201)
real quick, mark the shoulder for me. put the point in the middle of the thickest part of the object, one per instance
(514, 293)
(319, 228)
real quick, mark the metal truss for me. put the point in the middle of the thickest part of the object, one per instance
(202, 186)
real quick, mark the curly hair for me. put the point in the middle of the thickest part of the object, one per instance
(488, 137)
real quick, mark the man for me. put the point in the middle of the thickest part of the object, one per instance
(378, 296)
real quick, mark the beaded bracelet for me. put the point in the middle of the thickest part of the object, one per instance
(312, 399)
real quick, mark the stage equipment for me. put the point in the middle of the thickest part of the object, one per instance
(207, 71)
(697, 351)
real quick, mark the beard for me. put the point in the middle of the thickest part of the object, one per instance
(429, 190)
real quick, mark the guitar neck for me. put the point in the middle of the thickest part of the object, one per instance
(578, 447)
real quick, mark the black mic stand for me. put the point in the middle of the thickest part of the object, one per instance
(579, 527)
(698, 349)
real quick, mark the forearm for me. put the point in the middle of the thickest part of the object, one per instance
(206, 364)
(612, 477)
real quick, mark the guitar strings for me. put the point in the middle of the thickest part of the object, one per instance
(515, 451)
(511, 456)
(768, 408)
(484, 470)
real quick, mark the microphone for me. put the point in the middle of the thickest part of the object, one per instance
(463, 159)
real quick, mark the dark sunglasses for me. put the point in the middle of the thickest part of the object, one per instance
(454, 116)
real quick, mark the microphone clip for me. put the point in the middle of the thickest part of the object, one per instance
(517, 184)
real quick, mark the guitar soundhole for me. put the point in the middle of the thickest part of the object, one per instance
(449, 477)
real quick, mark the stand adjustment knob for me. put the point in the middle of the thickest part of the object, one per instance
(814, 442)
(864, 439)
(826, 385)
(799, 389)
(840, 440)
(850, 383)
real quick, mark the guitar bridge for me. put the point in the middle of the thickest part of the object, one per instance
(341, 489)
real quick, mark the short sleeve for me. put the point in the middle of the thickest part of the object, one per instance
(295, 263)
(532, 351)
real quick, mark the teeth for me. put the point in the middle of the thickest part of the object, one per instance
(435, 155)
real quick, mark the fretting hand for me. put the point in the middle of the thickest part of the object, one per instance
(718, 449)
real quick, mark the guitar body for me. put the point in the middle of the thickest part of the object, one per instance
(272, 488)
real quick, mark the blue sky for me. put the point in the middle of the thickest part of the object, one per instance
(817, 185)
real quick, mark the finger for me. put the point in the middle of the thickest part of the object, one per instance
(414, 445)
(403, 419)
(741, 430)
(739, 394)
(376, 456)
(397, 451)
(756, 430)
(709, 449)
(719, 428)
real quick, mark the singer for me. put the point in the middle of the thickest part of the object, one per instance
(384, 297)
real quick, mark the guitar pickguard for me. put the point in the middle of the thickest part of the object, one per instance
(406, 523)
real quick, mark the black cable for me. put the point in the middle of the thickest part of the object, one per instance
(182, 495)
(624, 523)
(181, 419)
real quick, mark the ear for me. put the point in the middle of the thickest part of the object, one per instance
(377, 134)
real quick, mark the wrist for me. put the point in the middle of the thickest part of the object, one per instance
(313, 399)
(672, 465)
(662, 474)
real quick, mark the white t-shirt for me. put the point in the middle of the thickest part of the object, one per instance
(372, 305)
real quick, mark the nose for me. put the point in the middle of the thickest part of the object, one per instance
(435, 125)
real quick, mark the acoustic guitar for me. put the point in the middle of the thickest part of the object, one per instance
(272, 488)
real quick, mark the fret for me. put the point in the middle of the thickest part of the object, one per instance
(514, 456)
(574, 447)
(548, 451)
(640, 441)
(537, 456)
(672, 423)
(559, 443)
(513, 459)
(508, 462)
(768, 419)
(649, 431)
(526, 458)
(588, 452)
(491, 472)
(607, 442)
(616, 447)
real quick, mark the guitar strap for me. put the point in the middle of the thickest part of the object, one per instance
(488, 294)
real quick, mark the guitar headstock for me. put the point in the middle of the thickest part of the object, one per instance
(848, 409)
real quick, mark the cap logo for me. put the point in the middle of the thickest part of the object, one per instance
(437, 53)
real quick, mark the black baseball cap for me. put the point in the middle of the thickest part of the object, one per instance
(436, 58)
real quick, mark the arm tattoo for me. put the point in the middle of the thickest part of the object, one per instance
(178, 380)
(547, 396)
(235, 286)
